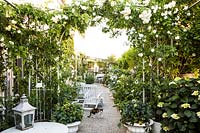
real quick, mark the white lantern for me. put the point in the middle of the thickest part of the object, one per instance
(24, 114)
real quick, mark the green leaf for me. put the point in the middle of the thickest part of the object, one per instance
(188, 113)
(193, 119)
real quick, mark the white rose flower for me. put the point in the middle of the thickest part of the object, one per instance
(65, 17)
(14, 22)
(54, 19)
(149, 28)
(154, 31)
(145, 16)
(8, 28)
(188, 14)
(113, 3)
(177, 37)
(185, 8)
(83, 7)
(126, 11)
(146, 2)
(140, 54)
(154, 8)
(176, 10)
(152, 50)
(141, 35)
(2, 39)
(19, 31)
(193, 54)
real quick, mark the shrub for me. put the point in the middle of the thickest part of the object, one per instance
(179, 107)
(89, 79)
(67, 113)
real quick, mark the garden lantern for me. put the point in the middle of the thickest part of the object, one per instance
(24, 114)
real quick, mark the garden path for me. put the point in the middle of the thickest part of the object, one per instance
(110, 120)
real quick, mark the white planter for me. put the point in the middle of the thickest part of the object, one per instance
(156, 127)
(73, 127)
(137, 128)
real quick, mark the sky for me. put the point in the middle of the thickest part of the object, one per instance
(98, 44)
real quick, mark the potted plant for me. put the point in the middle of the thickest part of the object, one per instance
(135, 115)
(69, 114)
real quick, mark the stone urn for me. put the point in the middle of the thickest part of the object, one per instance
(137, 128)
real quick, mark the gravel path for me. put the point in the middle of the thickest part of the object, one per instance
(109, 122)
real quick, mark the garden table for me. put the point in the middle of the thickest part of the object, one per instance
(41, 127)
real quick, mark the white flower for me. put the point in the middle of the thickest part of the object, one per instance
(11, 42)
(152, 50)
(188, 14)
(170, 5)
(14, 22)
(164, 115)
(146, 2)
(176, 10)
(145, 16)
(126, 11)
(169, 12)
(136, 81)
(140, 54)
(157, 36)
(54, 19)
(8, 28)
(113, 3)
(177, 18)
(195, 93)
(165, 17)
(185, 8)
(99, 2)
(2, 39)
(175, 116)
(83, 7)
(185, 105)
(160, 104)
(198, 114)
(177, 37)
(154, 8)
(127, 17)
(154, 31)
(19, 31)
(159, 59)
(45, 27)
(164, 13)
(65, 17)
(193, 54)
(149, 27)
(141, 35)
(157, 22)
(168, 32)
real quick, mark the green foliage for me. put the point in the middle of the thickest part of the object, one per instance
(135, 112)
(179, 106)
(67, 113)
(89, 79)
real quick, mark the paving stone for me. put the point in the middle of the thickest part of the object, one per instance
(109, 122)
